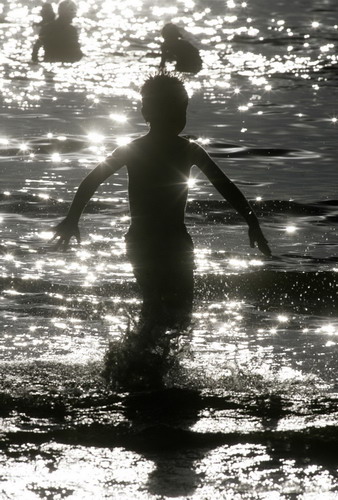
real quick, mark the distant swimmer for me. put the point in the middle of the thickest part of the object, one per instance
(47, 15)
(176, 48)
(59, 38)
(3, 13)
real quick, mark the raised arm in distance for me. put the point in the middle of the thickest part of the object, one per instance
(233, 195)
(69, 226)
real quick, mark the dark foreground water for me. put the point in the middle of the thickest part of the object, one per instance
(245, 404)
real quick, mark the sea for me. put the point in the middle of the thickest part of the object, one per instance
(244, 403)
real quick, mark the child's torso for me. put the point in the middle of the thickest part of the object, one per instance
(158, 182)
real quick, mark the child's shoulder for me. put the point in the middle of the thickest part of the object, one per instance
(190, 142)
(127, 151)
(146, 141)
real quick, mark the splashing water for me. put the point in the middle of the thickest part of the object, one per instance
(244, 404)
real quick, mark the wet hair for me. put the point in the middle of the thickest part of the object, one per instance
(170, 30)
(162, 93)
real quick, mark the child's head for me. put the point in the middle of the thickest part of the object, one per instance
(171, 32)
(164, 103)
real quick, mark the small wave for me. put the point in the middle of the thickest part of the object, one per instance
(30, 204)
(219, 149)
(61, 144)
(316, 444)
(68, 145)
(41, 286)
(214, 209)
(45, 388)
(163, 419)
(268, 152)
(302, 292)
(25, 203)
(329, 203)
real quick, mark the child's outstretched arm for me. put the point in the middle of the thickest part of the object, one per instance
(69, 226)
(233, 195)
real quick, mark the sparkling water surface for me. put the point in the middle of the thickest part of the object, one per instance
(248, 407)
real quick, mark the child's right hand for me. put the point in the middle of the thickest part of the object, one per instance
(64, 232)
(257, 237)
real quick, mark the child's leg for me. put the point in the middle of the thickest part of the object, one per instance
(147, 276)
(177, 281)
(163, 269)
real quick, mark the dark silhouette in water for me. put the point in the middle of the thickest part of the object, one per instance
(158, 164)
(176, 48)
(47, 15)
(4, 8)
(59, 38)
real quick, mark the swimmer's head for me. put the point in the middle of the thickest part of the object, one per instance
(171, 32)
(47, 13)
(67, 9)
(164, 103)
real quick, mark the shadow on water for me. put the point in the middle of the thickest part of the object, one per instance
(163, 420)
(158, 427)
(155, 410)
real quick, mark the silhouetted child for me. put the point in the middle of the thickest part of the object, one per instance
(59, 38)
(47, 14)
(176, 48)
(158, 244)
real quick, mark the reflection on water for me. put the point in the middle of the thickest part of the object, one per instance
(122, 43)
(250, 407)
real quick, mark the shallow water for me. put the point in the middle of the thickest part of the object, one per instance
(248, 405)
